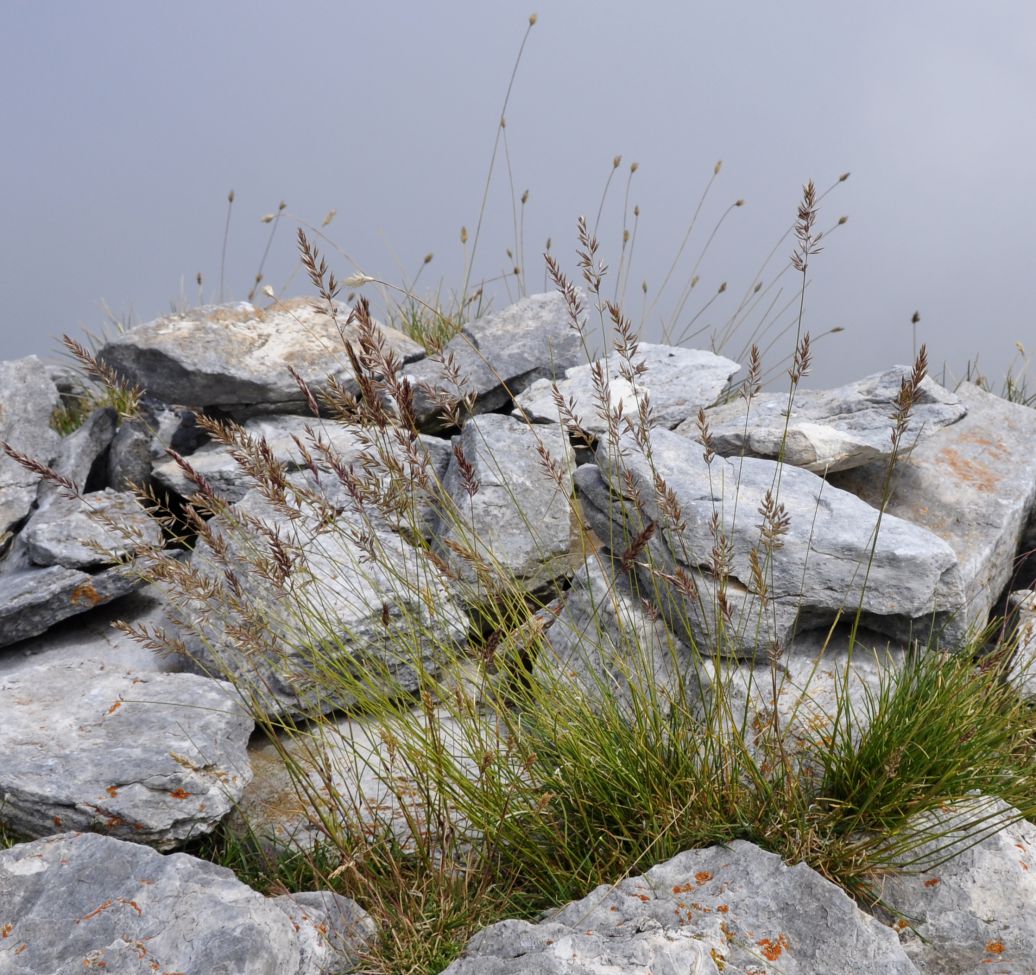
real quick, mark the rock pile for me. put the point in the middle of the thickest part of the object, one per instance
(113, 755)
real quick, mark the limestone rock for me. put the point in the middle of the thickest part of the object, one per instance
(81, 901)
(518, 523)
(976, 912)
(824, 564)
(33, 600)
(498, 356)
(608, 642)
(828, 429)
(1022, 672)
(28, 399)
(346, 445)
(677, 381)
(972, 484)
(725, 908)
(89, 643)
(152, 758)
(69, 531)
(80, 451)
(237, 355)
(357, 598)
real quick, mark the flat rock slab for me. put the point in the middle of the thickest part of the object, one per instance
(677, 382)
(28, 399)
(611, 646)
(344, 445)
(729, 908)
(977, 911)
(518, 523)
(498, 356)
(89, 643)
(152, 758)
(974, 485)
(83, 902)
(237, 355)
(828, 429)
(79, 452)
(827, 561)
(360, 604)
(100, 528)
(33, 600)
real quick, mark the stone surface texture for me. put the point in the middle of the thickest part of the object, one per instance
(821, 566)
(972, 484)
(498, 356)
(828, 430)
(973, 913)
(101, 528)
(737, 907)
(80, 451)
(28, 399)
(83, 902)
(677, 382)
(151, 758)
(519, 522)
(237, 355)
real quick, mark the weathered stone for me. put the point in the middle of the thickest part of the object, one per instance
(827, 562)
(80, 451)
(153, 758)
(975, 912)
(974, 485)
(825, 686)
(361, 783)
(33, 600)
(498, 356)
(89, 642)
(677, 382)
(828, 429)
(725, 908)
(237, 355)
(610, 644)
(28, 399)
(129, 459)
(81, 901)
(518, 523)
(346, 444)
(358, 599)
(1022, 670)
(101, 528)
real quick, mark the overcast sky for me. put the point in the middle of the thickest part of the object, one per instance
(125, 124)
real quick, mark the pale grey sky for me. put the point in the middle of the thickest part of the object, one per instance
(126, 123)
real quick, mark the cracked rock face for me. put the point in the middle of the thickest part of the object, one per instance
(84, 902)
(152, 758)
(724, 908)
(828, 430)
(677, 381)
(237, 355)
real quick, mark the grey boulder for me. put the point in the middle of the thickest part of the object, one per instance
(82, 902)
(238, 355)
(498, 356)
(828, 429)
(80, 451)
(973, 485)
(33, 600)
(100, 528)
(1022, 669)
(152, 758)
(676, 382)
(519, 523)
(975, 912)
(828, 562)
(28, 400)
(724, 908)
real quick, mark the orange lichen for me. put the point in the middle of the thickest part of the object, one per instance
(933, 882)
(723, 908)
(112, 790)
(995, 947)
(56, 820)
(180, 794)
(683, 888)
(115, 707)
(86, 593)
(703, 877)
(773, 949)
(6, 930)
